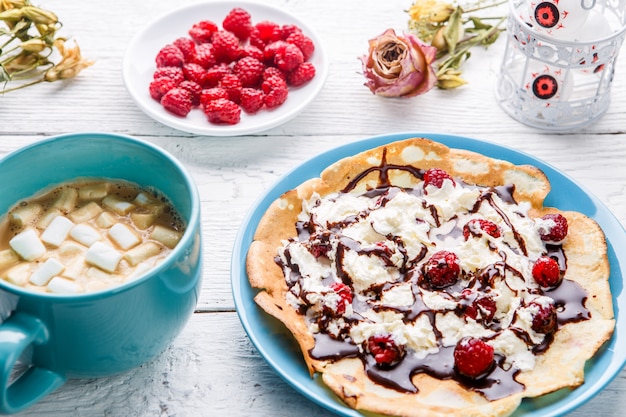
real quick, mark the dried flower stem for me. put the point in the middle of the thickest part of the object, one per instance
(29, 41)
(454, 30)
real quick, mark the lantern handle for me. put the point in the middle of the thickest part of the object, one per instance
(584, 5)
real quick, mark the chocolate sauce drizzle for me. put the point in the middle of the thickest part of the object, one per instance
(569, 298)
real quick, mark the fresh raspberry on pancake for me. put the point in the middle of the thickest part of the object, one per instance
(473, 357)
(384, 349)
(545, 320)
(546, 272)
(476, 227)
(436, 176)
(442, 269)
(345, 295)
(556, 230)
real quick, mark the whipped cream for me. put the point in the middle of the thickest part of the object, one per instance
(377, 241)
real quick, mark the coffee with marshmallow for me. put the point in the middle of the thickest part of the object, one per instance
(86, 236)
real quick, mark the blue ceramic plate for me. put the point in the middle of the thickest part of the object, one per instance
(276, 345)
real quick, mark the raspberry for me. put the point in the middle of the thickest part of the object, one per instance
(204, 56)
(473, 357)
(232, 84)
(202, 32)
(272, 83)
(546, 272)
(251, 100)
(170, 56)
(214, 75)
(239, 22)
(442, 269)
(252, 51)
(187, 46)
(275, 89)
(436, 176)
(482, 309)
(250, 71)
(286, 30)
(545, 319)
(194, 89)
(557, 229)
(301, 75)
(225, 46)
(273, 72)
(269, 52)
(211, 94)
(345, 296)
(385, 350)
(177, 101)
(320, 246)
(173, 73)
(222, 111)
(160, 86)
(288, 58)
(194, 72)
(303, 42)
(476, 227)
(264, 33)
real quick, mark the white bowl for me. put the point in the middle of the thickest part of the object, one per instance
(139, 66)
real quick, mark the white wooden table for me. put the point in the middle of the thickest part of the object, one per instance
(212, 368)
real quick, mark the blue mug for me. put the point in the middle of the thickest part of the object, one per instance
(110, 331)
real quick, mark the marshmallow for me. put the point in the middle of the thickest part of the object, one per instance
(141, 253)
(143, 220)
(121, 207)
(66, 201)
(143, 199)
(63, 286)
(18, 275)
(71, 249)
(166, 236)
(27, 245)
(103, 256)
(57, 231)
(85, 234)
(95, 191)
(105, 220)
(8, 258)
(23, 215)
(46, 218)
(86, 212)
(45, 272)
(123, 236)
(75, 269)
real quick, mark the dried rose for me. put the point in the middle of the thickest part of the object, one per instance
(399, 66)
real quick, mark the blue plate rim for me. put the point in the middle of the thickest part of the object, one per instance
(603, 368)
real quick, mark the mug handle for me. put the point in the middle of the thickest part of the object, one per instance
(16, 334)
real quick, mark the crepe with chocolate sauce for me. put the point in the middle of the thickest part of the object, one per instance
(342, 260)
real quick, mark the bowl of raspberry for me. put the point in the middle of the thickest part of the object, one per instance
(225, 69)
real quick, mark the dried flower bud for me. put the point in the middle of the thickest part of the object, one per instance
(439, 41)
(450, 79)
(399, 65)
(12, 15)
(71, 64)
(37, 15)
(46, 31)
(11, 4)
(431, 11)
(25, 61)
(33, 45)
